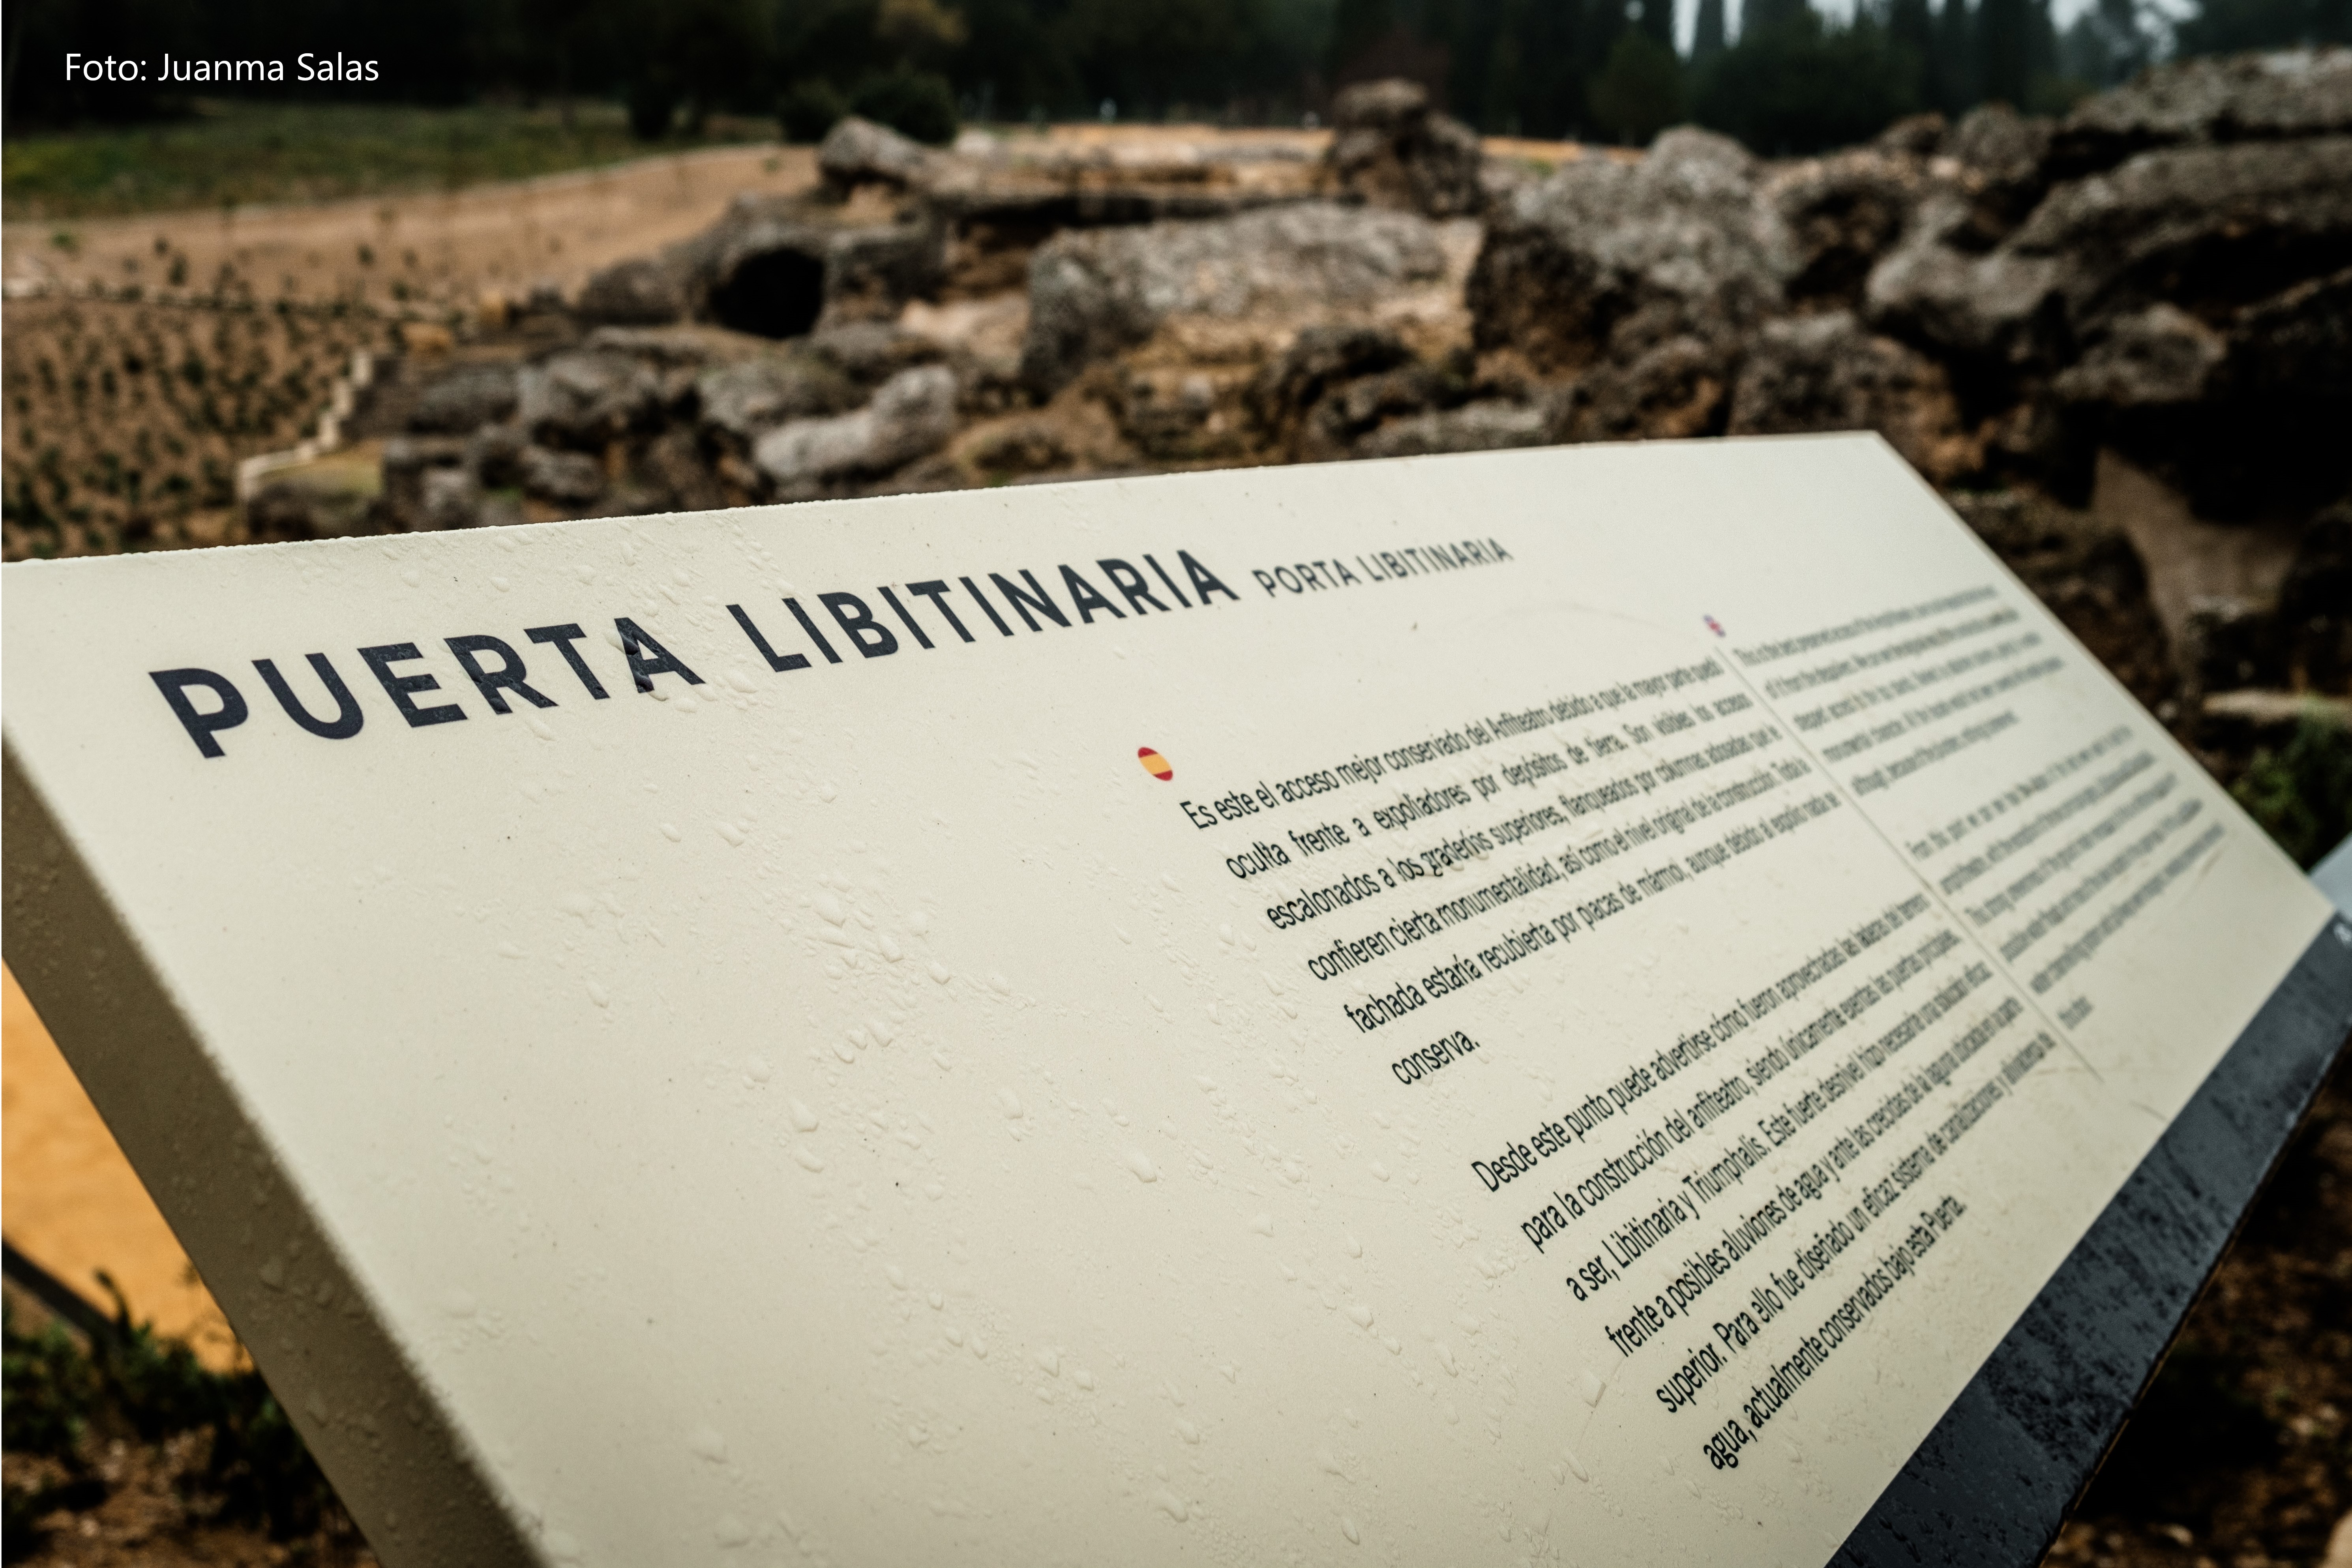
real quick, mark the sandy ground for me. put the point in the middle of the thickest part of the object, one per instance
(70, 1201)
(443, 249)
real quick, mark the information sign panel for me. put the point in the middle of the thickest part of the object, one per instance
(1556, 1005)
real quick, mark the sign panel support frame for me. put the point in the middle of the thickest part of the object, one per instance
(1994, 1481)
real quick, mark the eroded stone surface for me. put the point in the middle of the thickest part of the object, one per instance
(2164, 277)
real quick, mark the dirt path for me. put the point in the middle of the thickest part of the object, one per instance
(443, 250)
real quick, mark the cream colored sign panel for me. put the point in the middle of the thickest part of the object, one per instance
(1543, 1006)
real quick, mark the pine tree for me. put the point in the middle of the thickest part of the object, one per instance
(2225, 26)
(2108, 45)
(1658, 20)
(1709, 40)
(1955, 60)
(1911, 28)
(2004, 50)
(1758, 16)
(1469, 31)
(1357, 29)
(1640, 92)
(2041, 64)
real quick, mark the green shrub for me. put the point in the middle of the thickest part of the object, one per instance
(132, 1381)
(2302, 794)
(914, 103)
(808, 109)
(51, 1388)
(653, 105)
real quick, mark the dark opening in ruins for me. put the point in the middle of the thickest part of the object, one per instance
(775, 294)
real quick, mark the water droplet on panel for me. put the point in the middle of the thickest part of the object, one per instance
(760, 1070)
(1051, 1360)
(890, 949)
(1084, 1379)
(1348, 1528)
(880, 1030)
(669, 831)
(1262, 1224)
(540, 728)
(940, 972)
(825, 792)
(598, 995)
(830, 910)
(998, 983)
(809, 1158)
(729, 1530)
(411, 575)
(1445, 1359)
(729, 832)
(845, 1050)
(1355, 1248)
(1380, 1171)
(1589, 1386)
(1187, 1430)
(802, 1117)
(1171, 1505)
(1575, 1465)
(563, 1546)
(1362, 1313)
(705, 1443)
(459, 1303)
(1140, 1163)
(1012, 1103)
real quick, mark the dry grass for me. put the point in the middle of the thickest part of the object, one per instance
(126, 417)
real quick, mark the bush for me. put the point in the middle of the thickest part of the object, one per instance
(132, 1381)
(1640, 93)
(653, 104)
(914, 103)
(2303, 795)
(50, 1389)
(808, 109)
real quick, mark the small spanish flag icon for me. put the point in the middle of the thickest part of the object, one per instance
(1154, 763)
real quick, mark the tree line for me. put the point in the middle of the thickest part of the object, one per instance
(1784, 76)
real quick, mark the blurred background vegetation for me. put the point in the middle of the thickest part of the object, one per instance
(1779, 74)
